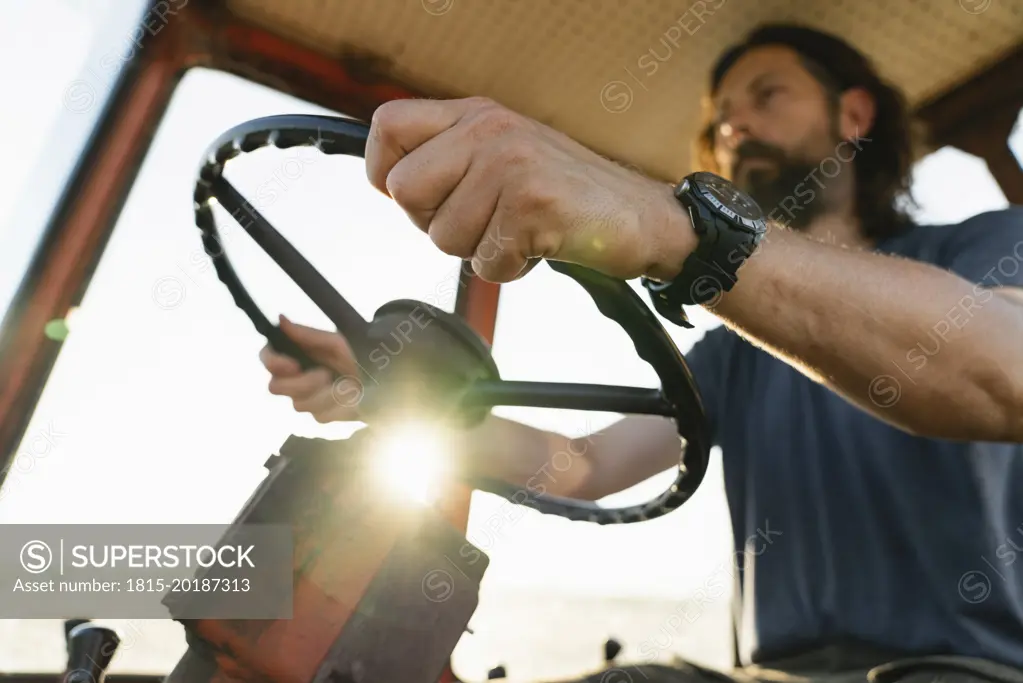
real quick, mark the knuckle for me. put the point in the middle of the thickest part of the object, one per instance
(321, 378)
(543, 243)
(400, 185)
(516, 151)
(385, 125)
(493, 120)
(496, 243)
(385, 118)
(500, 268)
(534, 194)
(448, 240)
(341, 359)
(337, 341)
(482, 102)
(275, 388)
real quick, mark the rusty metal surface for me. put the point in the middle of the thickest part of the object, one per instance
(374, 587)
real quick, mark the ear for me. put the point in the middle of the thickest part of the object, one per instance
(856, 113)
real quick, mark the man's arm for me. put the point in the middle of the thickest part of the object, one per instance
(492, 186)
(613, 459)
(861, 323)
(587, 467)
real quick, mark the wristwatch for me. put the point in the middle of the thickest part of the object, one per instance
(729, 224)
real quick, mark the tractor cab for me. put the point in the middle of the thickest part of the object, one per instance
(189, 170)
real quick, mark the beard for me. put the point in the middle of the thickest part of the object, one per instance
(784, 187)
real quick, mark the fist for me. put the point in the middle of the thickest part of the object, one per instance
(331, 392)
(505, 191)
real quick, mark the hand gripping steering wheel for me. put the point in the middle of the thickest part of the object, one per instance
(446, 364)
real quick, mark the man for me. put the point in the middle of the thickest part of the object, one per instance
(866, 387)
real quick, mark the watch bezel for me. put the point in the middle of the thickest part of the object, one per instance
(693, 187)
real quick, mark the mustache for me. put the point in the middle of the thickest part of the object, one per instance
(754, 149)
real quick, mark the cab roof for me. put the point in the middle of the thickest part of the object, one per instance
(626, 77)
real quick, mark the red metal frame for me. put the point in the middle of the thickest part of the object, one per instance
(61, 271)
(200, 35)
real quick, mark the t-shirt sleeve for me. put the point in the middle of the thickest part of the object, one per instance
(987, 249)
(708, 360)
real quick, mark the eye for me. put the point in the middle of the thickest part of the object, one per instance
(765, 94)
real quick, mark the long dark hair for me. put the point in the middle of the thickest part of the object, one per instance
(883, 166)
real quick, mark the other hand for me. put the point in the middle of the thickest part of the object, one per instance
(331, 392)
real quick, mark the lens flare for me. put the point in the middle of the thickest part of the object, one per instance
(412, 460)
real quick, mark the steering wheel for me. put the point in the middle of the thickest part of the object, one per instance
(447, 369)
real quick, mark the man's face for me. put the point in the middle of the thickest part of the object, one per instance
(774, 126)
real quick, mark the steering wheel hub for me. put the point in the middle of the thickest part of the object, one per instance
(422, 360)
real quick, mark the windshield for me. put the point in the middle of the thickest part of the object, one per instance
(59, 62)
(157, 409)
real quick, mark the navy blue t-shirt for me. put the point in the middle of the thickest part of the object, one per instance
(851, 530)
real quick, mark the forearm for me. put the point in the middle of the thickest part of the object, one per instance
(538, 460)
(860, 322)
(625, 453)
(587, 467)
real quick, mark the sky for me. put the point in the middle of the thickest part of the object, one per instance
(157, 409)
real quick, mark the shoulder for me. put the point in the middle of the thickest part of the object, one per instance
(1009, 220)
(1010, 215)
(1000, 229)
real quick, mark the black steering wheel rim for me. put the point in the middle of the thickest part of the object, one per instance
(678, 398)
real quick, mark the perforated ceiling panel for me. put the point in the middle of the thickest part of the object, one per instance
(626, 76)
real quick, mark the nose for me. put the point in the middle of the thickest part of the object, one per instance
(728, 137)
(733, 131)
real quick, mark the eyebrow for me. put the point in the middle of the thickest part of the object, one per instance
(753, 85)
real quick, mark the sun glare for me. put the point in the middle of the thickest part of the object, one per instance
(412, 460)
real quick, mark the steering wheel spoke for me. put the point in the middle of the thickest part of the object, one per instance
(344, 316)
(569, 396)
(444, 357)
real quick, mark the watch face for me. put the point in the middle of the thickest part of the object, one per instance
(727, 197)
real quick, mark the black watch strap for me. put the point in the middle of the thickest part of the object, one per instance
(709, 271)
